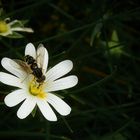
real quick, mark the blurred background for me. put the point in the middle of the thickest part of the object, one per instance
(102, 38)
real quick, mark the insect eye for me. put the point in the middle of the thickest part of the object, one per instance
(26, 58)
(34, 66)
(29, 59)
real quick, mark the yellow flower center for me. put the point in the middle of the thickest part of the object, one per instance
(37, 89)
(3, 27)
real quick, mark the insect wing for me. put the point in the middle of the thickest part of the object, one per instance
(12, 67)
(23, 66)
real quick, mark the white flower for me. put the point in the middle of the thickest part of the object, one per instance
(11, 27)
(30, 92)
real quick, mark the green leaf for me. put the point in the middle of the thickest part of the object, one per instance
(15, 35)
(34, 111)
(114, 44)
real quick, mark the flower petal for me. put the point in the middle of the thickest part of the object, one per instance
(26, 108)
(42, 58)
(14, 98)
(11, 80)
(63, 83)
(30, 50)
(13, 22)
(22, 29)
(12, 67)
(46, 110)
(60, 106)
(59, 70)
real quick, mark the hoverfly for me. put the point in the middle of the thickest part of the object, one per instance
(36, 71)
(35, 66)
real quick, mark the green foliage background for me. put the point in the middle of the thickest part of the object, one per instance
(102, 38)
